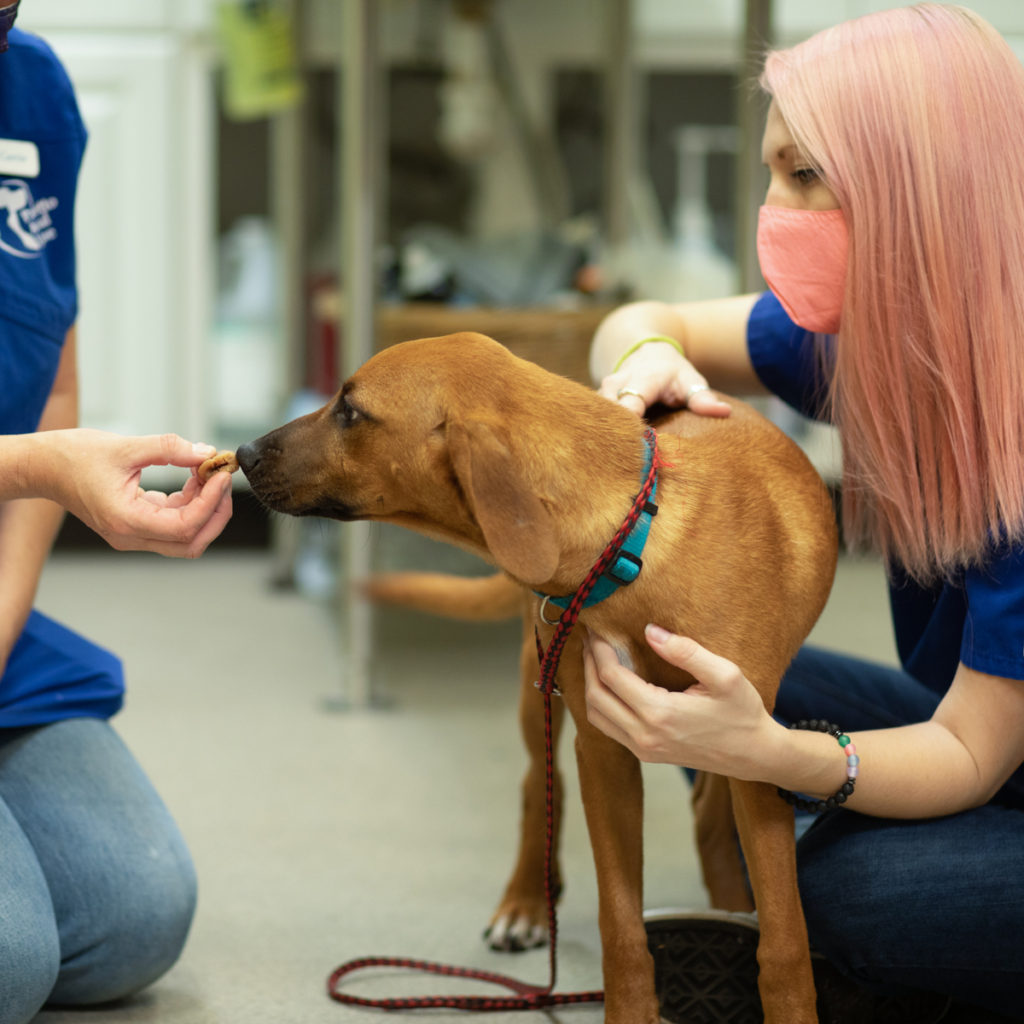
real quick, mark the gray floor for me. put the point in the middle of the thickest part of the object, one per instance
(322, 835)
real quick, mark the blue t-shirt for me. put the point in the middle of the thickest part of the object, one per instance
(978, 616)
(52, 673)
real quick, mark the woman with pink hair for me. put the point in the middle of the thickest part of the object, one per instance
(892, 239)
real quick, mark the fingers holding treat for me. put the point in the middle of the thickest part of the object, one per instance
(222, 462)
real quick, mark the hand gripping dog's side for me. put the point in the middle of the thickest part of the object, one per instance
(459, 440)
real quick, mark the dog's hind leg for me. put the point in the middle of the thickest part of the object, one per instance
(520, 920)
(718, 843)
(785, 981)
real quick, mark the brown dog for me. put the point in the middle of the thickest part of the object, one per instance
(460, 440)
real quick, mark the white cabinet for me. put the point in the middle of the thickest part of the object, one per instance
(144, 223)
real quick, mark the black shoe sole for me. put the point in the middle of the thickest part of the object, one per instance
(705, 968)
(705, 972)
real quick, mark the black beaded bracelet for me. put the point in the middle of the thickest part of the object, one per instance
(852, 768)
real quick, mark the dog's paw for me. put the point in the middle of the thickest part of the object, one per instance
(514, 933)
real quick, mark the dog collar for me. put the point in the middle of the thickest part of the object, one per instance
(628, 563)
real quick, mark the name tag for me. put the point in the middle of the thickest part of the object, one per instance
(19, 158)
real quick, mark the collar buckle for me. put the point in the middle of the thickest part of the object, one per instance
(624, 569)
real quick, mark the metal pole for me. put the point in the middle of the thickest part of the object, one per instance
(287, 159)
(758, 36)
(359, 161)
(621, 136)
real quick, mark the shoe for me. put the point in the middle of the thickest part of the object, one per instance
(705, 972)
(705, 966)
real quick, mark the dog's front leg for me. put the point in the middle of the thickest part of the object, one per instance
(520, 920)
(765, 826)
(611, 785)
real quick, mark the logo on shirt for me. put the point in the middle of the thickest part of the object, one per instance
(25, 222)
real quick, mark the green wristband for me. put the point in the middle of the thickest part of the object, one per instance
(654, 337)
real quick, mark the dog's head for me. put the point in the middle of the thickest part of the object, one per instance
(434, 435)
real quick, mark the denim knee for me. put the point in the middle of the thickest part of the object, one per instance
(29, 938)
(833, 877)
(29, 962)
(135, 935)
(933, 904)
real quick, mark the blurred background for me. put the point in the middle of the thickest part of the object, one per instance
(258, 170)
(275, 188)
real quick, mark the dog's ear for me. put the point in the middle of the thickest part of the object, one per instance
(518, 528)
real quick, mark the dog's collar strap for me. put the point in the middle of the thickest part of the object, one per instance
(551, 655)
(627, 563)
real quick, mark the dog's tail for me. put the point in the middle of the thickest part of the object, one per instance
(471, 598)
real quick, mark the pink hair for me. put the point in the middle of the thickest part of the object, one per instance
(914, 117)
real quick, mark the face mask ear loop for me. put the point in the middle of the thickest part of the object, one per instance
(7, 16)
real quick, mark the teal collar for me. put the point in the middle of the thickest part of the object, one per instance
(628, 563)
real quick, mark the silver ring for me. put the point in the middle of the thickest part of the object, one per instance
(695, 389)
(543, 617)
(629, 391)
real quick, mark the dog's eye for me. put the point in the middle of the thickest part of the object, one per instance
(347, 412)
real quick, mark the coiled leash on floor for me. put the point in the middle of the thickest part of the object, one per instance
(527, 996)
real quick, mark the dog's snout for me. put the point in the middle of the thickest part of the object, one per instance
(287, 471)
(248, 456)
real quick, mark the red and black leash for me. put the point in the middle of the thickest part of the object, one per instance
(526, 996)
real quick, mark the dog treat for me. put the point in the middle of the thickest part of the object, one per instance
(222, 462)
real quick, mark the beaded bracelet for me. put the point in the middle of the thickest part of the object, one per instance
(643, 341)
(852, 769)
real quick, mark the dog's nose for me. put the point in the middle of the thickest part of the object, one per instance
(248, 456)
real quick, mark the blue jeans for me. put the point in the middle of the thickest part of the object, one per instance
(934, 904)
(97, 889)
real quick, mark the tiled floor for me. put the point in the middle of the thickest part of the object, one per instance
(322, 835)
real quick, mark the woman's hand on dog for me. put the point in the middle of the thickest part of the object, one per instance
(719, 724)
(657, 374)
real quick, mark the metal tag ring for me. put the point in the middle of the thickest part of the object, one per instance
(543, 617)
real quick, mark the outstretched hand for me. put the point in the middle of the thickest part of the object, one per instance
(719, 724)
(97, 478)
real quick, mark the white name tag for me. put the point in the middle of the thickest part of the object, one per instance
(19, 158)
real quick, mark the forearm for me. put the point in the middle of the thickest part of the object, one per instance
(958, 759)
(27, 531)
(29, 523)
(711, 333)
(916, 771)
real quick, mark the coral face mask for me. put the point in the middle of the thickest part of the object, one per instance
(803, 259)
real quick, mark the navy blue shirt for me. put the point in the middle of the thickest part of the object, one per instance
(51, 673)
(38, 299)
(977, 617)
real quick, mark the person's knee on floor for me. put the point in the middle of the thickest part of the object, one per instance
(868, 912)
(132, 939)
(29, 963)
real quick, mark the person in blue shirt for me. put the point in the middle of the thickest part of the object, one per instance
(97, 888)
(892, 241)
